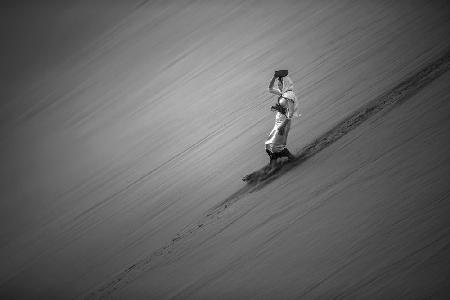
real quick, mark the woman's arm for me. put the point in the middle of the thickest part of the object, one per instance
(272, 89)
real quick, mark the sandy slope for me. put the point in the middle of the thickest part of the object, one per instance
(348, 223)
(140, 132)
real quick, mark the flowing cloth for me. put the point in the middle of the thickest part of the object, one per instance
(287, 92)
(276, 141)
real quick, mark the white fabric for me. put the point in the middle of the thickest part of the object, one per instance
(288, 93)
(277, 142)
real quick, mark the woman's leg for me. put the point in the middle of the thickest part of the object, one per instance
(286, 153)
(272, 155)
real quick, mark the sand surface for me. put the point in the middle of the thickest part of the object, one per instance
(116, 145)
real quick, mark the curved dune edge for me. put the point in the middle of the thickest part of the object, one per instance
(387, 101)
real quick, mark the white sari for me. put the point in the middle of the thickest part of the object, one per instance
(276, 141)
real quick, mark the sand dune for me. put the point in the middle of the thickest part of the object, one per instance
(113, 158)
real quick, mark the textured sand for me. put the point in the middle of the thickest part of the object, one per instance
(123, 141)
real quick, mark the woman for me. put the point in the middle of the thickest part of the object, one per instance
(286, 109)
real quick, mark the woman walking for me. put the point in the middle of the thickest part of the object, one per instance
(286, 109)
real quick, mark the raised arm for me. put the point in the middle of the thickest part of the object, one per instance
(273, 89)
